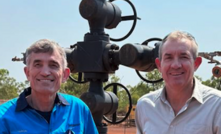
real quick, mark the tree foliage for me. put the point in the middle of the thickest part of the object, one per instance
(213, 82)
(9, 88)
(76, 89)
(123, 99)
(143, 88)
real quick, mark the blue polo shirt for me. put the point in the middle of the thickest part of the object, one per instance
(70, 115)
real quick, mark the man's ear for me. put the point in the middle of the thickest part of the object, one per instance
(158, 64)
(66, 74)
(26, 70)
(197, 62)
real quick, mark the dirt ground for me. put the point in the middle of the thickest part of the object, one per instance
(121, 130)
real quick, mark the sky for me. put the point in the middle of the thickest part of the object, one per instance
(22, 22)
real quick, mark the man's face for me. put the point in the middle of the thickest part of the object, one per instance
(177, 64)
(45, 72)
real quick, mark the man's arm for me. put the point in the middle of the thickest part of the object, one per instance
(137, 121)
(3, 129)
(217, 124)
(90, 127)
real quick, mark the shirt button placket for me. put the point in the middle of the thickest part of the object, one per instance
(50, 131)
(171, 129)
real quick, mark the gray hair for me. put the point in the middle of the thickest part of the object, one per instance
(178, 35)
(45, 46)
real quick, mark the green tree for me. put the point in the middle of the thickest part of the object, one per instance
(213, 82)
(76, 89)
(9, 88)
(112, 79)
(143, 88)
(123, 99)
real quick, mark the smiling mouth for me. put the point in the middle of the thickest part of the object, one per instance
(176, 74)
(43, 80)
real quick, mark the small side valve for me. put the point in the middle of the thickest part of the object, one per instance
(19, 59)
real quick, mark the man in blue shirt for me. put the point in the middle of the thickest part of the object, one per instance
(40, 109)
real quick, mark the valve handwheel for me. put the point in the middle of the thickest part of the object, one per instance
(126, 18)
(114, 116)
(79, 80)
(138, 73)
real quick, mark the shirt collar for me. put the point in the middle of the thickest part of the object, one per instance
(22, 101)
(163, 95)
(197, 93)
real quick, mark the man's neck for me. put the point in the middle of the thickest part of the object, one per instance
(178, 97)
(41, 102)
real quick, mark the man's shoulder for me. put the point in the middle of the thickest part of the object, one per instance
(210, 92)
(207, 91)
(7, 107)
(151, 96)
(68, 96)
(72, 100)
